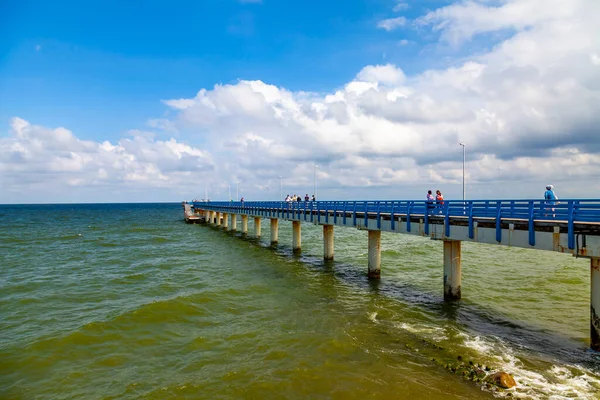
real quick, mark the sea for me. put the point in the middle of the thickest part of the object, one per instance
(126, 301)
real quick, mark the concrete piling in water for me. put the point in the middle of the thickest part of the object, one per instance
(225, 221)
(219, 215)
(595, 304)
(257, 227)
(274, 231)
(234, 222)
(374, 254)
(296, 236)
(452, 270)
(245, 224)
(328, 242)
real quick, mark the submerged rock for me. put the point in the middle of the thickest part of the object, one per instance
(502, 379)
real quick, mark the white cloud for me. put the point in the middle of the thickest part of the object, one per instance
(34, 159)
(391, 24)
(525, 108)
(387, 74)
(401, 7)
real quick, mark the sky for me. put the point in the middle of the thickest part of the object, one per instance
(152, 101)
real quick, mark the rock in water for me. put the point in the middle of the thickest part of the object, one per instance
(502, 379)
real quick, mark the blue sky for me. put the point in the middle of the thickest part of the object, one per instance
(129, 101)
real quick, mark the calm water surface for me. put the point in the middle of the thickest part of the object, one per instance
(128, 302)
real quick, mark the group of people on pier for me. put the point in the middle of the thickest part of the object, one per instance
(435, 202)
(295, 197)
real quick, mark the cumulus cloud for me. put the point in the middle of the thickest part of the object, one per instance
(35, 159)
(525, 108)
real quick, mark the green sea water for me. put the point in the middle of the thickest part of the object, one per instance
(125, 301)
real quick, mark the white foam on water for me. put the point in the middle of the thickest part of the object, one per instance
(476, 343)
(434, 333)
(558, 382)
(373, 316)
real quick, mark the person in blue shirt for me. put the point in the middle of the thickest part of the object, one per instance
(550, 197)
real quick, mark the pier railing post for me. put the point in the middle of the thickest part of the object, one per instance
(374, 254)
(274, 231)
(595, 304)
(452, 270)
(296, 236)
(328, 242)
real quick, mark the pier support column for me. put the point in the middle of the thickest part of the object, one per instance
(225, 221)
(296, 236)
(234, 222)
(374, 254)
(274, 231)
(595, 304)
(213, 218)
(244, 224)
(452, 271)
(219, 219)
(328, 242)
(257, 227)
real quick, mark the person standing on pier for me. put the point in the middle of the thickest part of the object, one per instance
(551, 198)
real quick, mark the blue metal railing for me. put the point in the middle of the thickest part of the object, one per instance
(571, 212)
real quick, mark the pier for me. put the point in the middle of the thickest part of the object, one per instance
(572, 227)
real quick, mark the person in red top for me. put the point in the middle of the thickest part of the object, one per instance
(439, 199)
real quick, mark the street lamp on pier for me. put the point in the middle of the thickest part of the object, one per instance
(315, 181)
(280, 189)
(237, 191)
(463, 175)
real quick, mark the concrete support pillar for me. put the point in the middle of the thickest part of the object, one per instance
(328, 242)
(274, 231)
(296, 236)
(212, 218)
(234, 222)
(452, 270)
(244, 224)
(207, 216)
(595, 304)
(225, 221)
(257, 227)
(374, 254)
(218, 219)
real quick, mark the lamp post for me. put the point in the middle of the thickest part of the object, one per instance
(315, 181)
(464, 190)
(237, 191)
(230, 192)
(280, 189)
